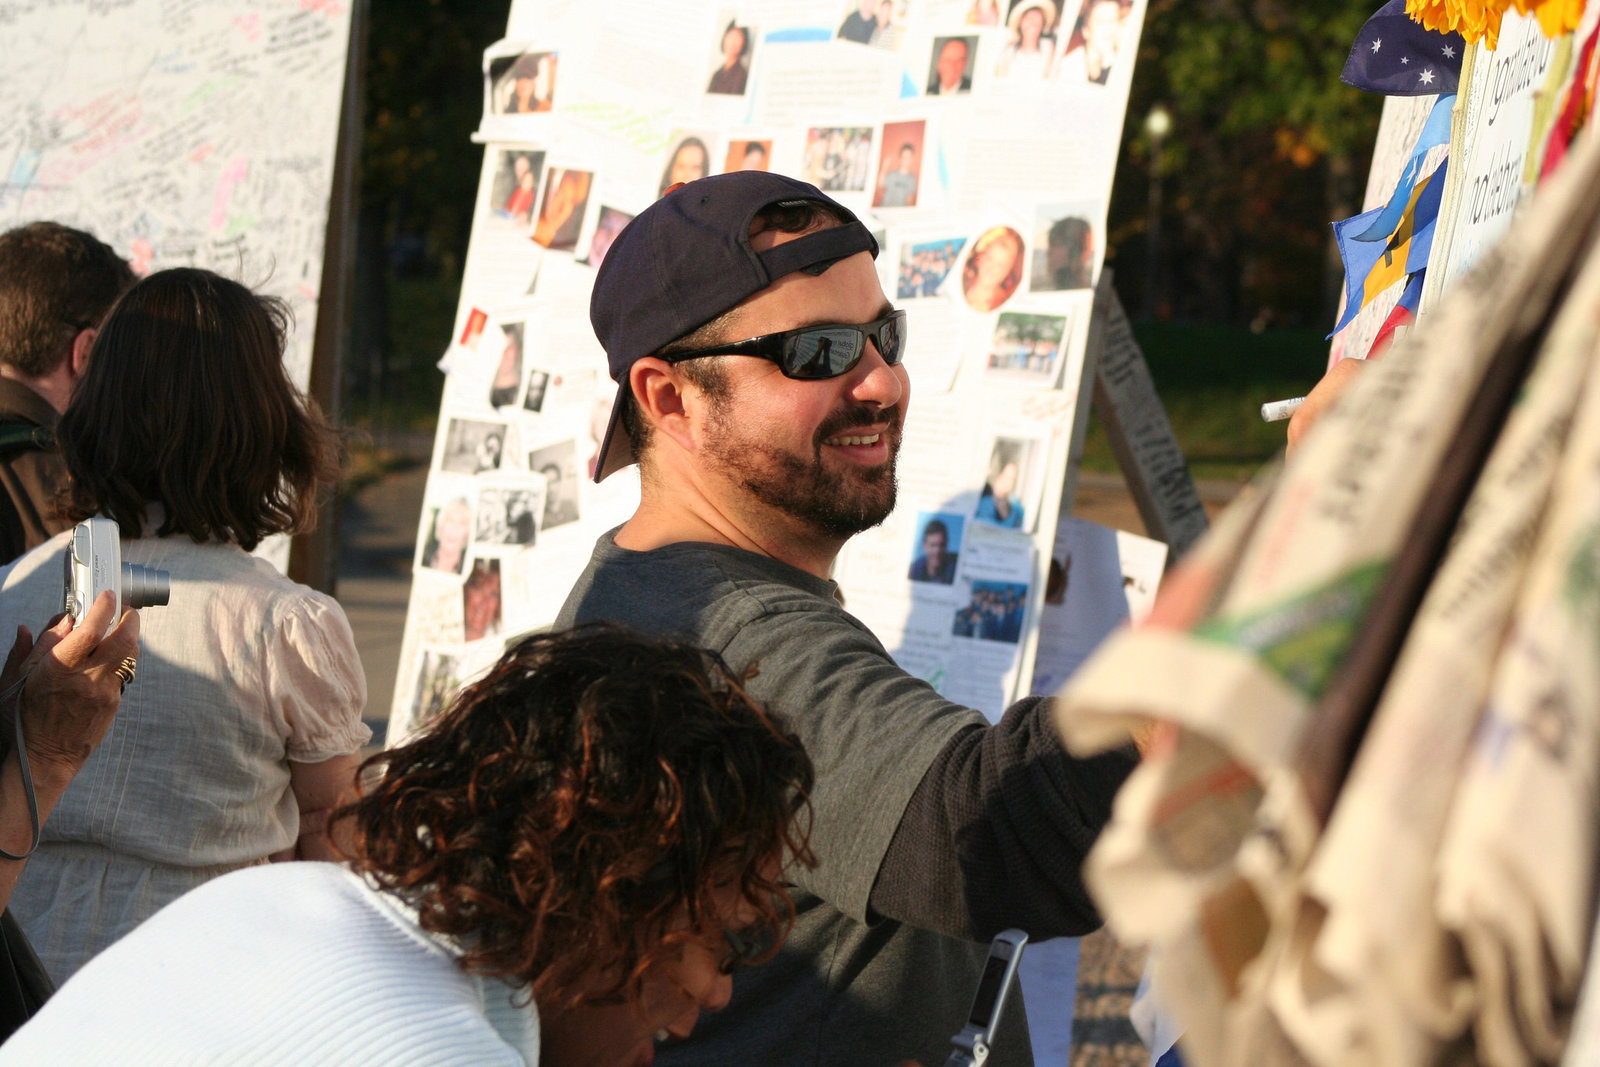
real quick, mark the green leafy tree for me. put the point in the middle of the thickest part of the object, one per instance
(423, 90)
(1267, 148)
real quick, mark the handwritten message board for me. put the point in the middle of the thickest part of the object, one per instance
(181, 133)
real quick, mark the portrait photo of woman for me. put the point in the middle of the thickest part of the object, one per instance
(688, 162)
(733, 67)
(1096, 42)
(1031, 49)
(994, 268)
(561, 216)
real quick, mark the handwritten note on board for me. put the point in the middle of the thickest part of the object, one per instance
(182, 133)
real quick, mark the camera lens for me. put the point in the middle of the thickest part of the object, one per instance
(145, 587)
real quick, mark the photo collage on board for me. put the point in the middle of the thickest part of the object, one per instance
(974, 138)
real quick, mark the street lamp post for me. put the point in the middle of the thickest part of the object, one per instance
(1157, 124)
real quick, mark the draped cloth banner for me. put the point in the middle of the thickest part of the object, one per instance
(1396, 629)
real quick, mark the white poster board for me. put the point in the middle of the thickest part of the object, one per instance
(983, 164)
(181, 134)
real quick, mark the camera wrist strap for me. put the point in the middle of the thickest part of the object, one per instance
(14, 695)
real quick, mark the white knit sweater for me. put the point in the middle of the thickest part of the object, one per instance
(287, 964)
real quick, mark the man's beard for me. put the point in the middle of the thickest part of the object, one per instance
(839, 503)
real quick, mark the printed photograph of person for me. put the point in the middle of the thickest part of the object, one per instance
(438, 678)
(836, 157)
(515, 185)
(898, 171)
(747, 155)
(566, 194)
(984, 13)
(1027, 347)
(995, 612)
(860, 22)
(938, 548)
(733, 62)
(950, 67)
(890, 16)
(606, 228)
(445, 548)
(1032, 48)
(472, 446)
(480, 600)
(688, 161)
(1096, 43)
(524, 84)
(994, 268)
(1063, 251)
(472, 332)
(508, 516)
(559, 465)
(924, 267)
(1055, 586)
(599, 419)
(508, 375)
(1000, 503)
(538, 385)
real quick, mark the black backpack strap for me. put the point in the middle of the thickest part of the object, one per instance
(19, 436)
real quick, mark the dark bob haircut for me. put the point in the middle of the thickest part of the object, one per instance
(186, 403)
(582, 809)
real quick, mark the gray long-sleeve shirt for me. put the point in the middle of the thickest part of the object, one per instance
(933, 830)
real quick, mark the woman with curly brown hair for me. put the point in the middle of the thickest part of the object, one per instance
(563, 869)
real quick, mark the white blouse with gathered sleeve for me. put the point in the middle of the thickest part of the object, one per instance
(243, 672)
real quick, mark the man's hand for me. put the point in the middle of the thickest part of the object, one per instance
(1180, 603)
(73, 689)
(1326, 392)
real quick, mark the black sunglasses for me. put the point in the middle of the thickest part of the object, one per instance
(747, 947)
(814, 352)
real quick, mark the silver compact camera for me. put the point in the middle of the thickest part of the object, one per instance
(94, 564)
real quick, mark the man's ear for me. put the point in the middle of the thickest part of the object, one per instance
(78, 358)
(658, 390)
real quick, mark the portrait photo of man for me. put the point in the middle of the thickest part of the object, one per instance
(937, 549)
(951, 69)
(901, 166)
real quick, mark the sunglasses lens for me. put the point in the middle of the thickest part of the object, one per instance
(747, 946)
(822, 353)
(891, 335)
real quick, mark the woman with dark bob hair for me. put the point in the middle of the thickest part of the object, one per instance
(244, 724)
(562, 869)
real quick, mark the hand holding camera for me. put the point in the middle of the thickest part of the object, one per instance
(94, 565)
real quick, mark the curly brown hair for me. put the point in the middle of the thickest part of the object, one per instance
(585, 805)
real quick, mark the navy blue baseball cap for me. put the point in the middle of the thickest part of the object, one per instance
(686, 259)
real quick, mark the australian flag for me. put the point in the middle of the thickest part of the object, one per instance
(1398, 57)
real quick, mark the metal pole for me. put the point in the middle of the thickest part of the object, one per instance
(1156, 126)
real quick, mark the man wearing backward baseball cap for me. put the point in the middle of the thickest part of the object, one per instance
(761, 391)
